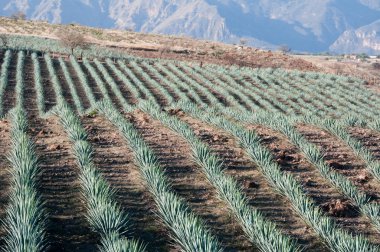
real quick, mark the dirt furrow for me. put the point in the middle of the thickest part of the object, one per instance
(62, 81)
(189, 182)
(29, 92)
(49, 94)
(58, 184)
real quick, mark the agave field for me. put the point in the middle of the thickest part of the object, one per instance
(133, 154)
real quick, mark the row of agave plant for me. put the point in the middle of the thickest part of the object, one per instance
(38, 85)
(335, 238)
(308, 90)
(187, 230)
(313, 154)
(25, 220)
(260, 231)
(25, 215)
(104, 214)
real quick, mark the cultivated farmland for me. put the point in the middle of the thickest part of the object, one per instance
(134, 154)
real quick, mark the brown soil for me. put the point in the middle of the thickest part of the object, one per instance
(49, 95)
(64, 85)
(114, 159)
(259, 192)
(189, 182)
(68, 229)
(165, 47)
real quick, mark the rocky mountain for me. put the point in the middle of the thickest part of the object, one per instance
(303, 25)
(365, 39)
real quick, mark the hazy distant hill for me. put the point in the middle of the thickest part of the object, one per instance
(303, 25)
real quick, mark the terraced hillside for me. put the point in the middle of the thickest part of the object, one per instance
(156, 155)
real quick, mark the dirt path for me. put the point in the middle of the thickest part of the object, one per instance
(189, 182)
(259, 192)
(327, 197)
(114, 159)
(49, 95)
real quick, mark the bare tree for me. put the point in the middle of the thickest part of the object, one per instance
(243, 41)
(284, 48)
(72, 40)
(4, 40)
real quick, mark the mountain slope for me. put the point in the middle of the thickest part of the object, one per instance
(304, 25)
